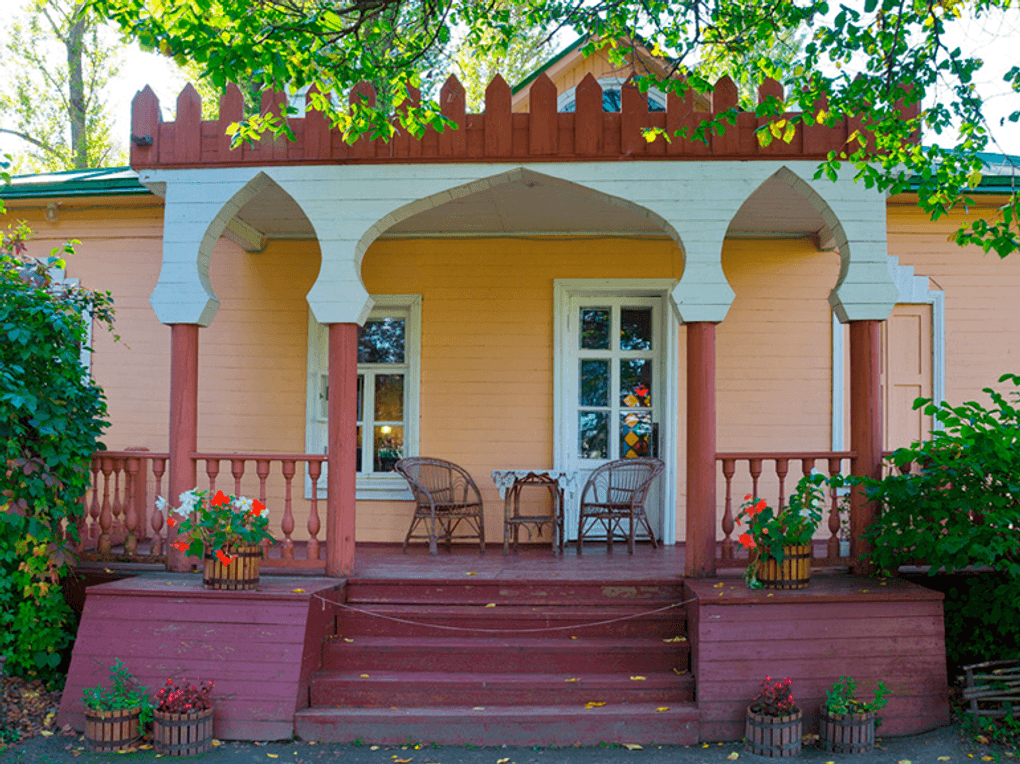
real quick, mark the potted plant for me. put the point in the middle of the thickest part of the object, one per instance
(115, 718)
(780, 542)
(182, 722)
(774, 723)
(225, 531)
(845, 724)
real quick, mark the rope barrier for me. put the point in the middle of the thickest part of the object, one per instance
(408, 622)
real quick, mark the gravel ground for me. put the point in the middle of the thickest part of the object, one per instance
(943, 745)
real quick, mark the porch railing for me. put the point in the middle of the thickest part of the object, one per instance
(119, 508)
(257, 475)
(772, 476)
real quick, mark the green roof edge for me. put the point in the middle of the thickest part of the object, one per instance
(555, 59)
(94, 183)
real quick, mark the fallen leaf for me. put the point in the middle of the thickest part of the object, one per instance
(502, 761)
(903, 761)
(662, 708)
(633, 747)
(491, 604)
(704, 745)
(594, 703)
(769, 595)
(676, 639)
(982, 739)
(470, 574)
(719, 585)
(721, 594)
(298, 591)
(145, 748)
(678, 672)
(348, 639)
(945, 758)
(374, 748)
(46, 733)
(216, 742)
(364, 676)
(733, 756)
(573, 637)
(572, 679)
(865, 591)
(986, 758)
(273, 755)
(402, 761)
(478, 708)
(637, 679)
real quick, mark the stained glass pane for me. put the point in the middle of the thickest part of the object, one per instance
(361, 397)
(636, 329)
(389, 447)
(381, 341)
(593, 430)
(594, 382)
(636, 383)
(595, 328)
(389, 397)
(635, 434)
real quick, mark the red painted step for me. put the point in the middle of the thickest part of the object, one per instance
(509, 655)
(504, 725)
(382, 689)
(413, 591)
(632, 620)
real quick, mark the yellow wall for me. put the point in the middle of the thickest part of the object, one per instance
(487, 355)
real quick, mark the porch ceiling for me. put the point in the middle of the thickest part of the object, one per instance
(539, 207)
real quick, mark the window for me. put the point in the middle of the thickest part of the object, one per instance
(388, 355)
(611, 97)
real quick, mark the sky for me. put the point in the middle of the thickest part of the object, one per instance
(996, 39)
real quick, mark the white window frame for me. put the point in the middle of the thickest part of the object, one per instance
(378, 487)
(59, 277)
(608, 83)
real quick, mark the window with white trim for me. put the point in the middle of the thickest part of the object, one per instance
(612, 97)
(389, 348)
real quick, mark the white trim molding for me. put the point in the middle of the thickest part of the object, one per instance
(563, 291)
(913, 290)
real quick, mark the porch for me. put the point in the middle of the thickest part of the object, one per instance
(486, 649)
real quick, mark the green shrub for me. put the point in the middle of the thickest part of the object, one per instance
(51, 418)
(961, 510)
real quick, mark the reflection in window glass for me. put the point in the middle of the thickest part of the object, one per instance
(593, 430)
(594, 382)
(595, 328)
(389, 397)
(612, 100)
(381, 341)
(636, 329)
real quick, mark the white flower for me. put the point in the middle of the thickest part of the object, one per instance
(161, 504)
(243, 503)
(265, 512)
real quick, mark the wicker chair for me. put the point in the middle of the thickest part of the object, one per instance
(445, 497)
(616, 492)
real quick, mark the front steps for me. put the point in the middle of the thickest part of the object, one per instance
(520, 666)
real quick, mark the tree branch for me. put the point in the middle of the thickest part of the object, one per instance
(33, 141)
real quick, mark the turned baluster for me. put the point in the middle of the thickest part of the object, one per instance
(158, 468)
(105, 517)
(782, 468)
(835, 468)
(754, 467)
(212, 469)
(80, 523)
(117, 506)
(131, 511)
(314, 471)
(807, 466)
(94, 507)
(262, 470)
(287, 526)
(237, 470)
(729, 466)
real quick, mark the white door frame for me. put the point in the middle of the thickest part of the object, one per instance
(563, 291)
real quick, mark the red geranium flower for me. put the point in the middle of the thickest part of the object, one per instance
(223, 557)
(219, 499)
(180, 546)
(746, 541)
(257, 507)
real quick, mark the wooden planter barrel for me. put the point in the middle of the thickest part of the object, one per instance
(182, 734)
(774, 736)
(846, 733)
(241, 573)
(794, 572)
(111, 730)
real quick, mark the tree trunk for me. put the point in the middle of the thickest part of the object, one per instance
(76, 88)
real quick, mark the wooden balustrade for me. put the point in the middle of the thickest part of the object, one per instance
(279, 499)
(755, 480)
(119, 508)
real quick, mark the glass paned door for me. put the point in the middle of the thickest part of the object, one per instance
(614, 389)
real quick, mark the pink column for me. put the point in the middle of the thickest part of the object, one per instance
(183, 425)
(700, 544)
(343, 443)
(865, 425)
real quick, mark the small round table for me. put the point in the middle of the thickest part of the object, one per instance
(510, 484)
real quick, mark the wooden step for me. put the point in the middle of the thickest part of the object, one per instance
(644, 723)
(421, 591)
(630, 620)
(584, 655)
(383, 689)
